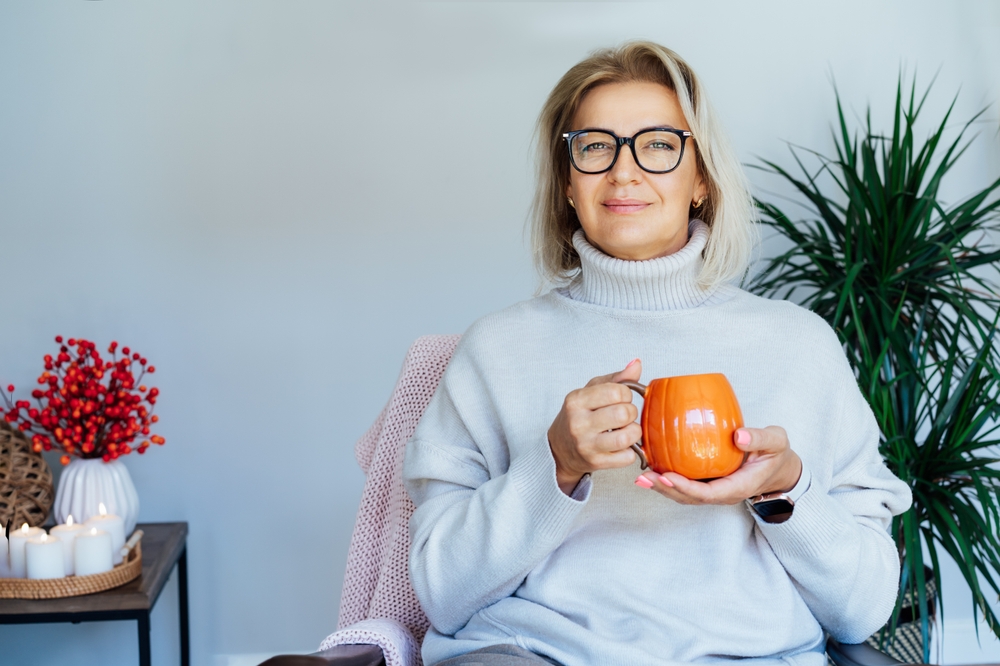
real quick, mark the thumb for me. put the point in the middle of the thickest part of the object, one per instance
(631, 373)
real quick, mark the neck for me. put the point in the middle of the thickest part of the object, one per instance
(664, 283)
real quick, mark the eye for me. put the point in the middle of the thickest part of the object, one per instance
(660, 145)
(594, 146)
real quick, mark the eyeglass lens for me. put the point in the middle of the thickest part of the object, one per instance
(593, 152)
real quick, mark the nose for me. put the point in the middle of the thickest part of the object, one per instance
(625, 170)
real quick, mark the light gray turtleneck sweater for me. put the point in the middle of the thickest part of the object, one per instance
(617, 574)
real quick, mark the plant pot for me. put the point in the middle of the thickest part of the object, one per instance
(907, 643)
(86, 483)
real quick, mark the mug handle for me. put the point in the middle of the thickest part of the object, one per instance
(637, 447)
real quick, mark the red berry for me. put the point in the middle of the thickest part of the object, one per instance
(59, 339)
(10, 388)
(64, 460)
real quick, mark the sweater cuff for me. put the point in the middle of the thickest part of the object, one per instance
(582, 490)
(805, 479)
(534, 475)
(817, 524)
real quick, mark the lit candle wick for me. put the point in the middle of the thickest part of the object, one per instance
(103, 509)
(69, 519)
(24, 528)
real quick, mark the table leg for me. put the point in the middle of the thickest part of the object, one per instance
(182, 597)
(143, 621)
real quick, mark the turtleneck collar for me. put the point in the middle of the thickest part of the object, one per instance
(665, 283)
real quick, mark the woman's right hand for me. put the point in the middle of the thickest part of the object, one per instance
(595, 428)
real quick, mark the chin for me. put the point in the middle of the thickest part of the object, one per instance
(637, 246)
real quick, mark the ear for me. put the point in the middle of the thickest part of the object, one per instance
(700, 188)
(569, 190)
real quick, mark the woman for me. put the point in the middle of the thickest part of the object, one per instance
(534, 540)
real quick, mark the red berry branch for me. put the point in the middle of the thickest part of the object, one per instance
(86, 406)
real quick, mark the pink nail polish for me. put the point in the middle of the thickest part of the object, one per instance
(634, 361)
(643, 482)
(667, 482)
(742, 437)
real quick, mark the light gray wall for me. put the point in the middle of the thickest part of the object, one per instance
(271, 200)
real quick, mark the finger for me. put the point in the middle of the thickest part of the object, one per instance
(663, 486)
(730, 489)
(600, 395)
(631, 373)
(627, 373)
(772, 439)
(648, 479)
(613, 460)
(695, 490)
(613, 417)
(618, 440)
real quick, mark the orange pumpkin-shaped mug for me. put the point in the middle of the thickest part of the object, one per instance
(688, 424)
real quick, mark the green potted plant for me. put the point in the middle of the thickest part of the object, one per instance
(908, 283)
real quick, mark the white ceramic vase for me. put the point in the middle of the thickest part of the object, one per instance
(85, 483)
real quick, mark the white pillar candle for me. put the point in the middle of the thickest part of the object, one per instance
(92, 552)
(4, 555)
(17, 540)
(44, 557)
(113, 525)
(67, 533)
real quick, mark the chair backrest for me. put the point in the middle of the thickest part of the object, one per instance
(377, 581)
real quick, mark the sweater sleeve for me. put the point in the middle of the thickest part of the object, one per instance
(483, 521)
(836, 546)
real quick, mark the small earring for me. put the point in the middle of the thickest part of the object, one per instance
(571, 204)
(700, 202)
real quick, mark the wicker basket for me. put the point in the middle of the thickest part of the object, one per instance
(908, 642)
(25, 480)
(73, 586)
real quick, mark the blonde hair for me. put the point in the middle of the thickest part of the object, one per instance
(728, 211)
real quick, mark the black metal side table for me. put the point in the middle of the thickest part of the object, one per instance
(163, 546)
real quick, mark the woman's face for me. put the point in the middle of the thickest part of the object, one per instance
(627, 212)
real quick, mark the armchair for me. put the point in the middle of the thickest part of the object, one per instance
(381, 622)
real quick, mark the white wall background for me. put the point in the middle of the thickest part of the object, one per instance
(222, 186)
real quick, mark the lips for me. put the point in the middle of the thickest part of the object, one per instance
(624, 206)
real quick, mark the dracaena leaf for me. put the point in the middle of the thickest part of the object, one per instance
(909, 284)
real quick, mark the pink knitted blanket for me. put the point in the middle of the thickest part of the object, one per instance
(378, 604)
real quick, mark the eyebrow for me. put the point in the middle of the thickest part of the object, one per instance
(644, 129)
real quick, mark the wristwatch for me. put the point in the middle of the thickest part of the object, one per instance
(773, 507)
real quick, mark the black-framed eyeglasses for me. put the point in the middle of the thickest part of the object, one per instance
(656, 150)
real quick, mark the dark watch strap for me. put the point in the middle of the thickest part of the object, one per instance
(773, 507)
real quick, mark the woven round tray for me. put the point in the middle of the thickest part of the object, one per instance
(73, 586)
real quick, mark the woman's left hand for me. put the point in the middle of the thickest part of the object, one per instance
(771, 466)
